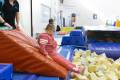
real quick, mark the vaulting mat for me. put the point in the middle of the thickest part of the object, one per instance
(26, 56)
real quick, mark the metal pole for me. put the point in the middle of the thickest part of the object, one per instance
(31, 18)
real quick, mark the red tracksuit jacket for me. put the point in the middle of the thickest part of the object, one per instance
(49, 46)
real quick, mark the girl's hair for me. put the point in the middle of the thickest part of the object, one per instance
(50, 27)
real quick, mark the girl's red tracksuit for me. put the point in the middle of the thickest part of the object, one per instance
(49, 46)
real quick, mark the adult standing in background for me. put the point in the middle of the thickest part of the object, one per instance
(51, 21)
(2, 21)
(10, 12)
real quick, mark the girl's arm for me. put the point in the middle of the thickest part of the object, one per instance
(43, 42)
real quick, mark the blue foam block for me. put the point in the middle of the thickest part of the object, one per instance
(73, 40)
(112, 50)
(66, 40)
(6, 71)
(47, 78)
(67, 51)
(77, 40)
(24, 76)
(77, 33)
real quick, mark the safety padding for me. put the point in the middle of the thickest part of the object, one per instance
(26, 56)
(48, 78)
(73, 40)
(77, 37)
(23, 76)
(65, 40)
(77, 40)
(6, 71)
(112, 50)
(67, 51)
(79, 33)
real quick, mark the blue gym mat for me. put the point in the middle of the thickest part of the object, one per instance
(112, 50)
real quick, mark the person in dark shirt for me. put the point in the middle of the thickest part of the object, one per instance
(2, 21)
(10, 11)
(51, 21)
(58, 28)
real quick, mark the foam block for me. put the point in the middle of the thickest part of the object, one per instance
(112, 50)
(6, 71)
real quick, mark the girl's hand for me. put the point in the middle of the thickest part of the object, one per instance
(79, 70)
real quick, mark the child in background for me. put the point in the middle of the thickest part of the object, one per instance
(49, 46)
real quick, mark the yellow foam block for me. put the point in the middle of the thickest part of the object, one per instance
(81, 77)
(92, 68)
(93, 76)
(111, 76)
(118, 23)
(116, 65)
(67, 29)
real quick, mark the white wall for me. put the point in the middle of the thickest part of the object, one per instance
(25, 16)
(83, 16)
(38, 25)
(85, 8)
(108, 7)
(67, 11)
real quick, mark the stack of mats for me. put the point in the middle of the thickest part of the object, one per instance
(112, 50)
(77, 38)
(26, 56)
